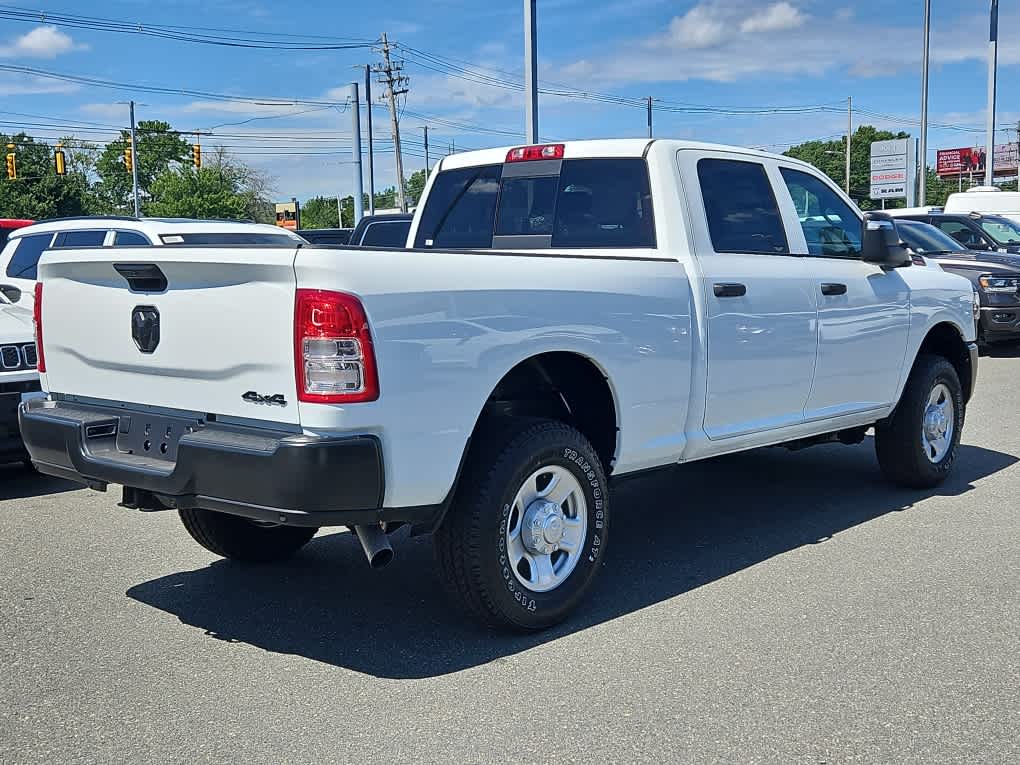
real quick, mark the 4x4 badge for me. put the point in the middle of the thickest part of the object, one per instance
(145, 327)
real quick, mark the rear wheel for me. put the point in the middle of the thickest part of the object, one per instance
(231, 536)
(526, 534)
(917, 444)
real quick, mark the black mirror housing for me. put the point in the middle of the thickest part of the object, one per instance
(10, 292)
(881, 243)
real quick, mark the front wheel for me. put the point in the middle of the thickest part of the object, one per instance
(917, 444)
(231, 536)
(526, 534)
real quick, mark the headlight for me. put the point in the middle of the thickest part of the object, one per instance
(991, 283)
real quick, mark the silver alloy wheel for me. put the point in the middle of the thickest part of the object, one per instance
(938, 423)
(547, 526)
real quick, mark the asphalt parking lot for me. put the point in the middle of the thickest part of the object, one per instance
(777, 606)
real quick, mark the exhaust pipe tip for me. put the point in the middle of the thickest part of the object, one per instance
(381, 559)
(375, 543)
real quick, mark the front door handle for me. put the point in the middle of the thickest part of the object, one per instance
(729, 289)
(833, 289)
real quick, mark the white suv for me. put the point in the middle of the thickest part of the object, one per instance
(21, 254)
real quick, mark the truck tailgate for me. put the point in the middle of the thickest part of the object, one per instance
(225, 328)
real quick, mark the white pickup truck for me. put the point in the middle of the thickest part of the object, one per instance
(566, 314)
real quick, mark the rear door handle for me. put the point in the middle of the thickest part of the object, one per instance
(833, 289)
(729, 289)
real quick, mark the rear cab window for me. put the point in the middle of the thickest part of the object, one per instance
(386, 234)
(740, 207)
(559, 204)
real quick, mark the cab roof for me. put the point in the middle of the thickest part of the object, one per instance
(599, 149)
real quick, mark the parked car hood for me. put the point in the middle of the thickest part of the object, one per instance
(976, 259)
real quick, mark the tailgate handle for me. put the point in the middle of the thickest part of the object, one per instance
(142, 277)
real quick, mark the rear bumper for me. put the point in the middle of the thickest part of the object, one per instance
(265, 475)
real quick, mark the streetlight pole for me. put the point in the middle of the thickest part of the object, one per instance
(531, 71)
(993, 53)
(922, 182)
(371, 158)
(849, 132)
(134, 160)
(359, 204)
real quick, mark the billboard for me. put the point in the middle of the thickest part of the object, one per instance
(892, 169)
(972, 160)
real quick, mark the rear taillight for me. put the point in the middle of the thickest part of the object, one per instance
(37, 317)
(531, 153)
(333, 356)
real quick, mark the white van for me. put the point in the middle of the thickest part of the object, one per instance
(987, 200)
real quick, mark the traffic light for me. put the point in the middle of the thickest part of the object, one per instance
(196, 155)
(12, 165)
(129, 160)
(60, 161)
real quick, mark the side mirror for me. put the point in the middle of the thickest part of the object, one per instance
(881, 243)
(10, 292)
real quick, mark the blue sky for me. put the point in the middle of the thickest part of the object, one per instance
(688, 54)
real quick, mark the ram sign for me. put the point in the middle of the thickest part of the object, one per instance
(892, 170)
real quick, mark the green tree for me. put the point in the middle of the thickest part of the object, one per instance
(830, 158)
(38, 192)
(159, 149)
(319, 212)
(416, 186)
(205, 193)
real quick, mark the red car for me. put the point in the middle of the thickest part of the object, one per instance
(7, 225)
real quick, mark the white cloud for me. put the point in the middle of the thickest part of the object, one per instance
(774, 18)
(22, 85)
(41, 42)
(733, 39)
(701, 27)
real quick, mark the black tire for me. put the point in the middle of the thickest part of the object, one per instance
(231, 536)
(471, 543)
(898, 442)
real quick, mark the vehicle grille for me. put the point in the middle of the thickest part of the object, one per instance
(15, 357)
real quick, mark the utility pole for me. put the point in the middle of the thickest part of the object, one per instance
(993, 54)
(371, 157)
(922, 182)
(849, 132)
(395, 86)
(531, 71)
(134, 160)
(425, 128)
(359, 203)
(649, 116)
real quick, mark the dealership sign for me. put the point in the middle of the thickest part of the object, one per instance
(972, 160)
(892, 169)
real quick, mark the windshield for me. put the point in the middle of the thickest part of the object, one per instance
(1003, 231)
(922, 238)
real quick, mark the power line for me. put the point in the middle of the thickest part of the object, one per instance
(137, 87)
(230, 38)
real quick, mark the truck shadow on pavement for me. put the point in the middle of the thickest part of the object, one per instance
(19, 482)
(672, 532)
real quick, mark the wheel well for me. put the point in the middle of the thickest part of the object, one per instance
(561, 386)
(945, 340)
